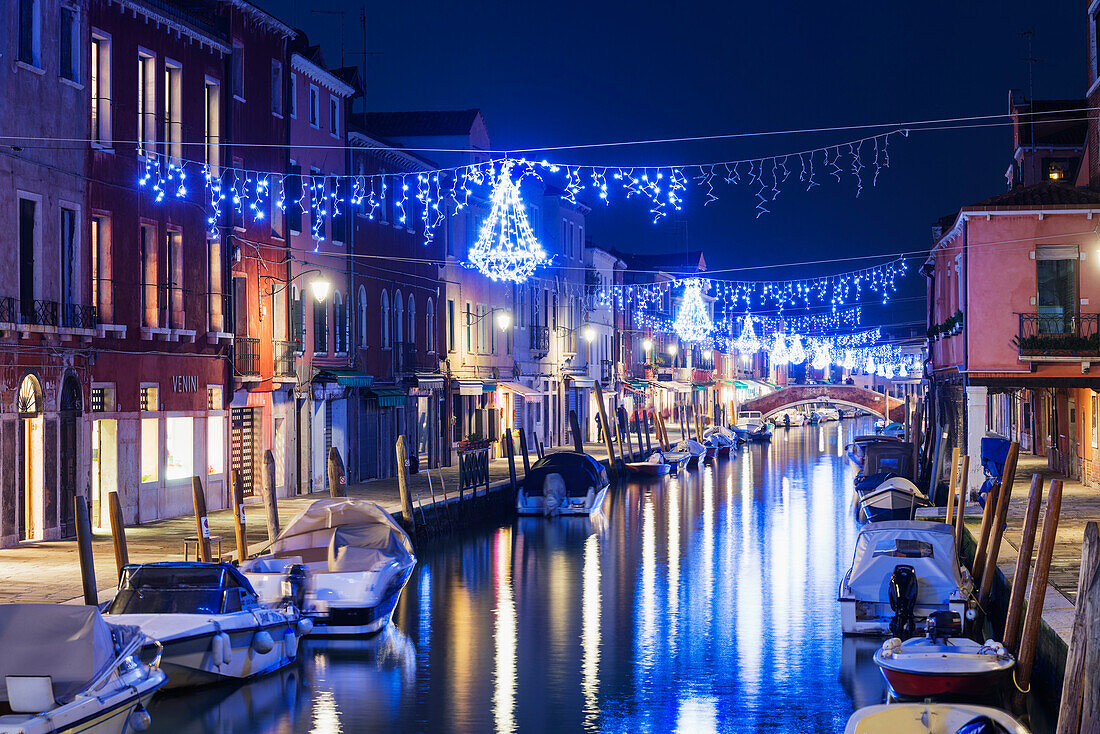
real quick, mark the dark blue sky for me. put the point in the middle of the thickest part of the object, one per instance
(571, 72)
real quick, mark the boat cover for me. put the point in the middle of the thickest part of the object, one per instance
(579, 472)
(929, 547)
(690, 446)
(71, 644)
(994, 456)
(889, 456)
(358, 534)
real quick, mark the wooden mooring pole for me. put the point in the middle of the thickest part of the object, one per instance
(511, 449)
(983, 536)
(118, 531)
(267, 489)
(202, 524)
(624, 427)
(1078, 710)
(575, 428)
(645, 419)
(337, 483)
(1011, 637)
(960, 518)
(1008, 478)
(403, 483)
(523, 450)
(607, 428)
(84, 548)
(951, 484)
(1030, 636)
(237, 490)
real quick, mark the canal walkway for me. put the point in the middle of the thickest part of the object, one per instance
(49, 571)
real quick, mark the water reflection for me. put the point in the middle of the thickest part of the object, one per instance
(704, 602)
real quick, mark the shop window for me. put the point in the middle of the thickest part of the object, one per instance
(214, 398)
(149, 398)
(179, 444)
(150, 450)
(215, 444)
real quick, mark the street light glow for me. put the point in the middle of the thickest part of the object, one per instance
(647, 344)
(707, 354)
(589, 334)
(672, 350)
(320, 288)
(504, 320)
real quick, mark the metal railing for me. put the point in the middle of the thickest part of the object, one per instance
(246, 356)
(75, 316)
(606, 368)
(540, 338)
(284, 359)
(1059, 335)
(7, 310)
(39, 313)
(404, 357)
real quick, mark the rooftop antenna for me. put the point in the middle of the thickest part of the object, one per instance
(1030, 59)
(364, 53)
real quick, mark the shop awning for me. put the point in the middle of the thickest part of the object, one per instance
(429, 381)
(470, 387)
(674, 386)
(741, 385)
(581, 381)
(346, 378)
(518, 389)
(388, 396)
(636, 386)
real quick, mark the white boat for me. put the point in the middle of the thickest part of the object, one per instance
(789, 418)
(932, 718)
(677, 460)
(828, 414)
(208, 619)
(894, 499)
(901, 572)
(65, 669)
(343, 561)
(563, 483)
(748, 421)
(696, 451)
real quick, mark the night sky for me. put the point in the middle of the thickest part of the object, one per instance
(569, 72)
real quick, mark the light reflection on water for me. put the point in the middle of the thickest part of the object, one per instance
(704, 602)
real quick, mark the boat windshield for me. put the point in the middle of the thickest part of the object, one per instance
(180, 589)
(167, 601)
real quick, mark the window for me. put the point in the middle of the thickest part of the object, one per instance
(339, 208)
(101, 91)
(362, 316)
(1056, 279)
(410, 333)
(236, 214)
(213, 125)
(173, 107)
(314, 106)
(333, 117)
(429, 327)
(238, 70)
(450, 326)
(146, 104)
(30, 31)
(320, 328)
(215, 444)
(469, 329)
(150, 449)
(1094, 26)
(297, 318)
(215, 285)
(149, 286)
(70, 257)
(1056, 169)
(101, 267)
(179, 441)
(173, 278)
(398, 325)
(294, 198)
(28, 251)
(338, 322)
(214, 398)
(69, 51)
(276, 88)
(292, 100)
(385, 320)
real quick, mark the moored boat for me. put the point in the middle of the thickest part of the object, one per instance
(343, 561)
(654, 466)
(696, 451)
(66, 669)
(563, 483)
(943, 662)
(208, 619)
(932, 718)
(896, 498)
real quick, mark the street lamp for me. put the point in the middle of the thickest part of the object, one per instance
(672, 350)
(707, 354)
(647, 345)
(320, 288)
(589, 334)
(504, 320)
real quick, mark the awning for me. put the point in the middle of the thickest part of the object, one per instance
(388, 396)
(674, 386)
(518, 389)
(470, 387)
(581, 381)
(346, 378)
(430, 381)
(741, 385)
(637, 386)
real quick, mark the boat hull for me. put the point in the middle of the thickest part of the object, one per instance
(914, 718)
(533, 505)
(888, 504)
(873, 618)
(84, 716)
(646, 469)
(355, 621)
(925, 685)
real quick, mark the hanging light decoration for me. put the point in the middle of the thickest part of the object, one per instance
(779, 349)
(888, 371)
(796, 354)
(849, 362)
(693, 322)
(822, 356)
(869, 368)
(506, 248)
(747, 342)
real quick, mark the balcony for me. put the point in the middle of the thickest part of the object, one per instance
(540, 338)
(284, 359)
(404, 357)
(48, 316)
(39, 313)
(1058, 337)
(246, 356)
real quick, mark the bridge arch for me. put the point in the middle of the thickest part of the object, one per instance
(849, 395)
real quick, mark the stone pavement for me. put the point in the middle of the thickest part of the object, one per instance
(50, 571)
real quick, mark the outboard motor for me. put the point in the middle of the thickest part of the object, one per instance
(942, 625)
(982, 725)
(903, 599)
(294, 586)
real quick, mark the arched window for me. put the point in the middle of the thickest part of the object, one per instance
(385, 319)
(398, 324)
(30, 402)
(412, 320)
(320, 325)
(339, 319)
(429, 327)
(362, 316)
(297, 318)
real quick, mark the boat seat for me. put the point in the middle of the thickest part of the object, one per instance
(30, 694)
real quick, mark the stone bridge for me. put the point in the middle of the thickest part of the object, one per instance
(849, 395)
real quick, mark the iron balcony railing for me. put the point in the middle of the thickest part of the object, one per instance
(1059, 335)
(284, 359)
(39, 313)
(246, 356)
(75, 316)
(404, 357)
(7, 310)
(540, 338)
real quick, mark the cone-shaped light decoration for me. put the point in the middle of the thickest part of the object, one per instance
(506, 248)
(796, 354)
(779, 349)
(822, 356)
(747, 342)
(869, 368)
(849, 362)
(693, 323)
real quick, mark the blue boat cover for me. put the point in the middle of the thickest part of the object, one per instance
(994, 455)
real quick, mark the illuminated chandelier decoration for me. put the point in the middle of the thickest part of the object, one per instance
(506, 248)
(822, 356)
(869, 367)
(747, 342)
(849, 362)
(779, 349)
(693, 322)
(796, 354)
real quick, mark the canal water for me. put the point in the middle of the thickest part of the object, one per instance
(705, 602)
